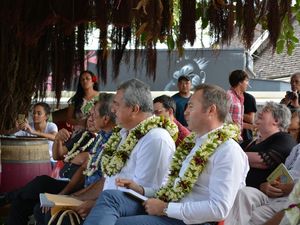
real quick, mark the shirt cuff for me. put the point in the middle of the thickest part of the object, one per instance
(174, 209)
(149, 192)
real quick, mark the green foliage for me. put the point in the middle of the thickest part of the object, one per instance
(287, 40)
(170, 42)
(287, 37)
(175, 26)
(202, 12)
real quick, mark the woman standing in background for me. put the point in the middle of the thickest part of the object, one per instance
(83, 100)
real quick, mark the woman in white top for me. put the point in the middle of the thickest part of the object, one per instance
(40, 127)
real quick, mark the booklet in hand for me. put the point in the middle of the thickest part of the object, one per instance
(133, 193)
(280, 174)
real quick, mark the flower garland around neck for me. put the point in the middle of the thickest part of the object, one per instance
(177, 187)
(86, 108)
(93, 166)
(115, 156)
(75, 148)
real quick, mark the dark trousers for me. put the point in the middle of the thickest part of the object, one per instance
(24, 199)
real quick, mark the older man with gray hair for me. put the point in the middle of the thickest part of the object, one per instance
(141, 147)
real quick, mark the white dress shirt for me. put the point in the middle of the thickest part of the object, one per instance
(149, 161)
(214, 192)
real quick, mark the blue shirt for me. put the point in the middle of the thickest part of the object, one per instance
(180, 107)
(97, 174)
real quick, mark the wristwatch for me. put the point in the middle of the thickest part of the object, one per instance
(165, 210)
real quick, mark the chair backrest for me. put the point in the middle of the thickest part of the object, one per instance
(59, 117)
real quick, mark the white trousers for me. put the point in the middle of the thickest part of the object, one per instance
(253, 207)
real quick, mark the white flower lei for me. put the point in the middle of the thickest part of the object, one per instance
(93, 166)
(114, 157)
(172, 192)
(75, 150)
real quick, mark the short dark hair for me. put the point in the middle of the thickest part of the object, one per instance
(167, 102)
(184, 77)
(237, 76)
(295, 74)
(45, 106)
(105, 101)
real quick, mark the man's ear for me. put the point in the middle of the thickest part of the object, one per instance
(135, 109)
(171, 112)
(106, 119)
(212, 109)
(275, 122)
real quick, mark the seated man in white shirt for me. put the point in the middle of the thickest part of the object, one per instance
(207, 171)
(141, 148)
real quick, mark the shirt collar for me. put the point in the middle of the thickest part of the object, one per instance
(105, 134)
(204, 136)
(241, 97)
(124, 132)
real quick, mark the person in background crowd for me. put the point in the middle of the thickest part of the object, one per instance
(83, 100)
(239, 81)
(256, 206)
(203, 180)
(182, 97)
(249, 115)
(292, 99)
(272, 145)
(165, 106)
(39, 127)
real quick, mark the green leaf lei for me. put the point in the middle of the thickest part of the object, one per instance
(115, 156)
(174, 191)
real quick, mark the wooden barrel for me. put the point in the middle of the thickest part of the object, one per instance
(22, 159)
